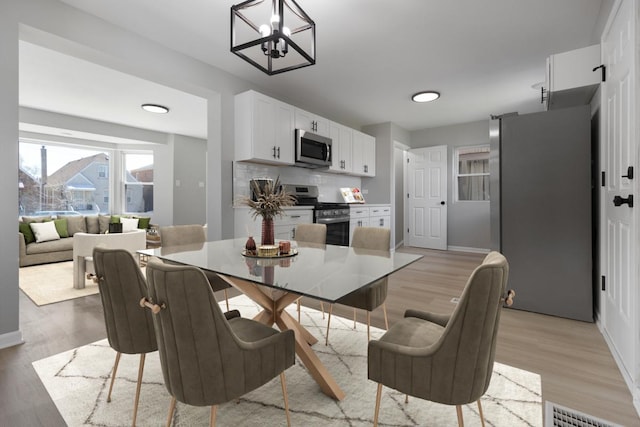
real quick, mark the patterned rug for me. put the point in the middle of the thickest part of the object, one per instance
(49, 283)
(78, 382)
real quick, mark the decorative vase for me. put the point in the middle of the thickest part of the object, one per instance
(267, 232)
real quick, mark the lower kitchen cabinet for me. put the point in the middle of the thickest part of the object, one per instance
(284, 227)
(370, 216)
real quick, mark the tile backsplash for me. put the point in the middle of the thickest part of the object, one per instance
(328, 183)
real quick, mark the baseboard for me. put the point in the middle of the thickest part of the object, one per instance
(465, 249)
(626, 376)
(401, 244)
(10, 339)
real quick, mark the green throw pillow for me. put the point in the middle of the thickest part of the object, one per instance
(61, 227)
(115, 219)
(27, 232)
(144, 222)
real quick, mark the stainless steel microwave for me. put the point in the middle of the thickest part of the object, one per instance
(312, 150)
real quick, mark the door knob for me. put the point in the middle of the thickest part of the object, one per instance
(618, 201)
(442, 202)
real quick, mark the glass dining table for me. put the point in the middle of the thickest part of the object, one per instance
(324, 272)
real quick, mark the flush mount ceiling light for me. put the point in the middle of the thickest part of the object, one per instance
(273, 35)
(155, 108)
(426, 96)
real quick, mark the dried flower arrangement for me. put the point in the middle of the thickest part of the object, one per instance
(271, 199)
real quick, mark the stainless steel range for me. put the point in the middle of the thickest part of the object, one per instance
(334, 215)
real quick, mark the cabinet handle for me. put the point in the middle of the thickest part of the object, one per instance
(293, 233)
(381, 222)
(274, 151)
(295, 216)
(366, 168)
(278, 152)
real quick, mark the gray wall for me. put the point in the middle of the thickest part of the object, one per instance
(57, 26)
(9, 325)
(189, 178)
(468, 224)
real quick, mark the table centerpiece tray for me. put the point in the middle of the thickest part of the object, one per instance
(292, 253)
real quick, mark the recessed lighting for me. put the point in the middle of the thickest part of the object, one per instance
(426, 96)
(155, 108)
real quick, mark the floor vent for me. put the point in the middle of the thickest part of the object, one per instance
(560, 416)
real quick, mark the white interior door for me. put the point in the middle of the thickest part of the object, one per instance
(427, 196)
(619, 230)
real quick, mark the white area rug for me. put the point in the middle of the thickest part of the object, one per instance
(78, 382)
(49, 283)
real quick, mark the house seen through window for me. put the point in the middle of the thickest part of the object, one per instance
(472, 173)
(58, 179)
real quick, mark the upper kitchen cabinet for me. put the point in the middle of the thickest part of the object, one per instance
(312, 123)
(573, 77)
(363, 154)
(341, 147)
(264, 129)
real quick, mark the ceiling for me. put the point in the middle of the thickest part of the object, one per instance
(372, 55)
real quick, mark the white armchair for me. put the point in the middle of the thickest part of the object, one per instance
(83, 244)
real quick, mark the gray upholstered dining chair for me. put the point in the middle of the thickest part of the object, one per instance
(445, 358)
(374, 295)
(310, 235)
(208, 357)
(129, 329)
(180, 235)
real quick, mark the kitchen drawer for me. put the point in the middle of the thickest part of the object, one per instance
(359, 212)
(380, 211)
(296, 217)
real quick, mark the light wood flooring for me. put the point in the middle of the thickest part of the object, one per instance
(572, 358)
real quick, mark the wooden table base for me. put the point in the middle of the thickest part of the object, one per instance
(274, 304)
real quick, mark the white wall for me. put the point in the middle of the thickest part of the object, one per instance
(329, 184)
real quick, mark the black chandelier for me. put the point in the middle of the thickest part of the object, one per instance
(286, 36)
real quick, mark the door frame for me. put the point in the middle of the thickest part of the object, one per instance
(629, 373)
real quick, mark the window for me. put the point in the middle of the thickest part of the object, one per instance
(138, 182)
(56, 177)
(472, 173)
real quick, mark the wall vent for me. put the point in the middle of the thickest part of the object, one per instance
(560, 416)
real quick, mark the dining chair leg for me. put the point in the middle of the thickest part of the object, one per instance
(212, 418)
(113, 374)
(386, 319)
(226, 298)
(298, 303)
(406, 398)
(375, 414)
(286, 398)
(326, 340)
(368, 325)
(459, 412)
(172, 409)
(354, 318)
(322, 308)
(480, 412)
(138, 385)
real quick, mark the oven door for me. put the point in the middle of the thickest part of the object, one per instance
(337, 230)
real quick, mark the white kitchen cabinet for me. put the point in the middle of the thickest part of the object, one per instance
(370, 216)
(358, 217)
(571, 79)
(380, 216)
(264, 129)
(341, 147)
(284, 227)
(310, 122)
(363, 154)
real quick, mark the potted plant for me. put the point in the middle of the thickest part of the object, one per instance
(270, 199)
